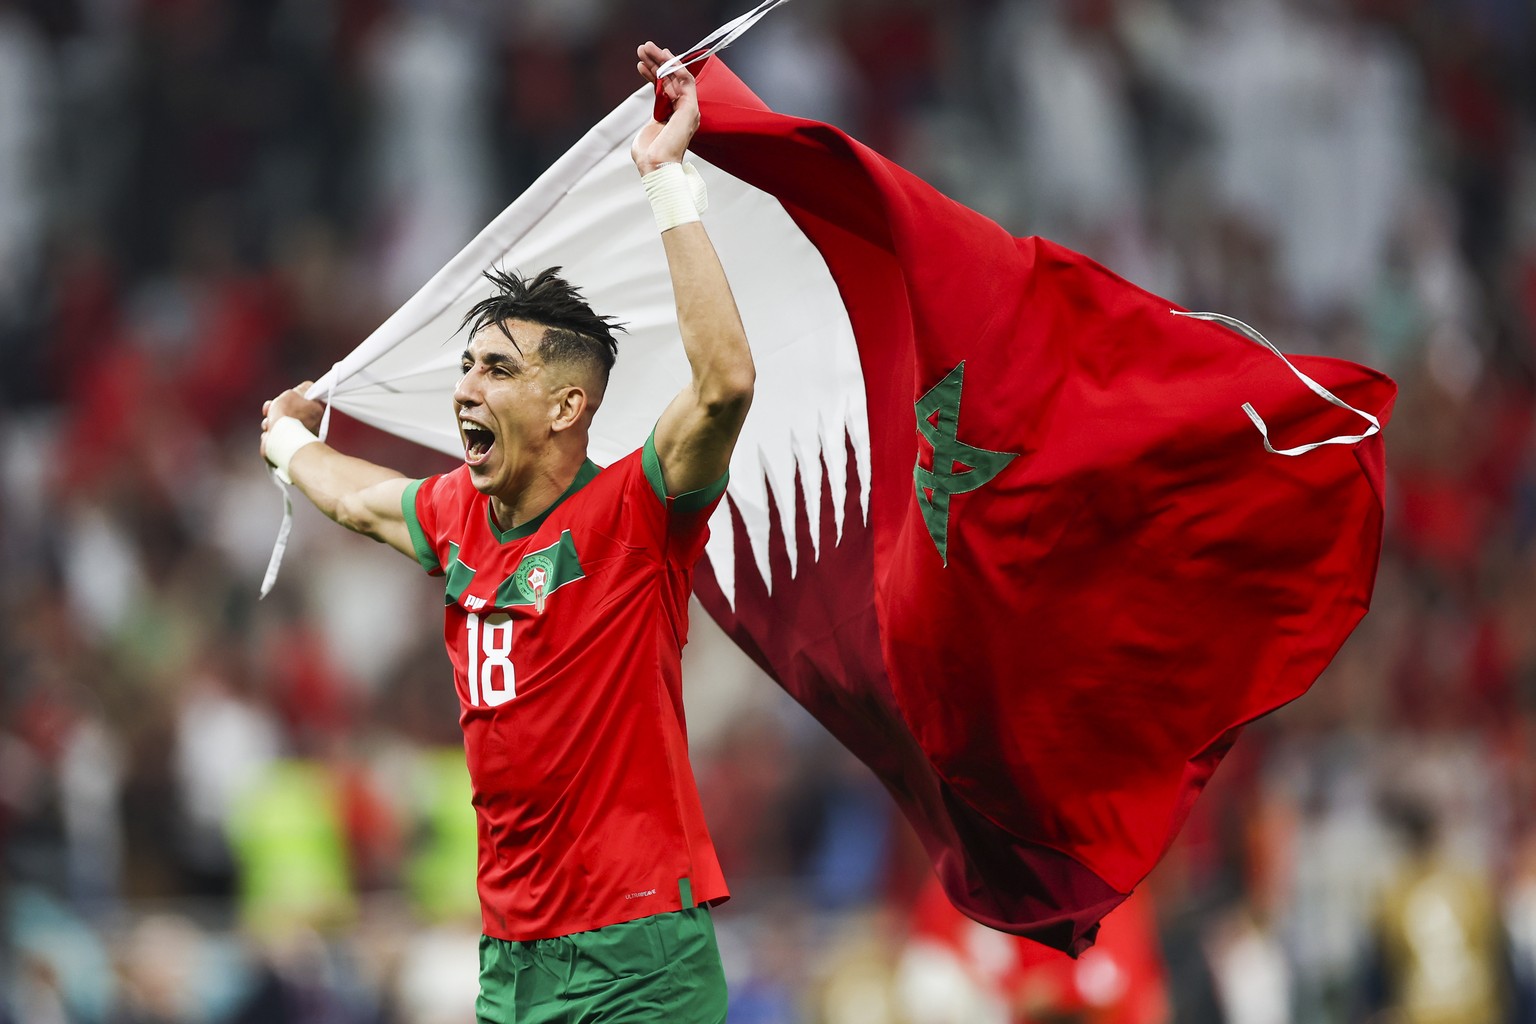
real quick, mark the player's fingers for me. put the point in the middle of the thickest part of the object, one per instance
(656, 56)
(681, 88)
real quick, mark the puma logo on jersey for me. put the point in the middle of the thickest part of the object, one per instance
(473, 603)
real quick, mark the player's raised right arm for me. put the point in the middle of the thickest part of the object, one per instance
(358, 494)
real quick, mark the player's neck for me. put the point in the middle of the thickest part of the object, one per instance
(547, 479)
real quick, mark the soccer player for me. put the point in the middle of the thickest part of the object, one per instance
(566, 587)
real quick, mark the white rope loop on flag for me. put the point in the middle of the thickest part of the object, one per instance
(1316, 388)
(719, 39)
(325, 417)
(279, 546)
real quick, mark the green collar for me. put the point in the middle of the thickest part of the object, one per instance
(584, 475)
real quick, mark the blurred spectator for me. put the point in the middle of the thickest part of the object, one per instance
(28, 114)
(428, 77)
(224, 744)
(1441, 947)
(1075, 117)
(955, 971)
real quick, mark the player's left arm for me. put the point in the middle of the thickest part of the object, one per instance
(697, 432)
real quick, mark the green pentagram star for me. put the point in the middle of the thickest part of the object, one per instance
(957, 466)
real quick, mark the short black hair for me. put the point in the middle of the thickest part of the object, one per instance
(573, 333)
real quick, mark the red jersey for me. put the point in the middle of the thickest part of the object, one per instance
(566, 637)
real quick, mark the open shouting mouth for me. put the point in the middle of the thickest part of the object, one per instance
(478, 441)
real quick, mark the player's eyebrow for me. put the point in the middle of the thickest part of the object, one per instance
(491, 359)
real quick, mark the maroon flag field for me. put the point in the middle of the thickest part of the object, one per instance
(1081, 572)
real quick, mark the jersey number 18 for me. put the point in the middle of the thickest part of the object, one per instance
(491, 674)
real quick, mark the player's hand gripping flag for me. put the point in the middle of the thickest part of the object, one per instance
(999, 519)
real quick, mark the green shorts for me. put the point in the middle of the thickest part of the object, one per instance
(660, 968)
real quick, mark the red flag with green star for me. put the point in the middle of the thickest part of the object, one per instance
(1069, 568)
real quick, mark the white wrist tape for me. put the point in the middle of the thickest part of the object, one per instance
(677, 194)
(284, 440)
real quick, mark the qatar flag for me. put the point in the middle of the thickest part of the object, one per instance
(999, 519)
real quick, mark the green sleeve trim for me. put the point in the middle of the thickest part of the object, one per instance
(688, 501)
(424, 553)
(692, 501)
(651, 463)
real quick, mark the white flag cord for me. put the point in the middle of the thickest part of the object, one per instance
(281, 544)
(1317, 389)
(719, 39)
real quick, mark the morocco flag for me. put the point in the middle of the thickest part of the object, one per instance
(999, 519)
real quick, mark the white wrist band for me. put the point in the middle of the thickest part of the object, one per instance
(284, 440)
(677, 194)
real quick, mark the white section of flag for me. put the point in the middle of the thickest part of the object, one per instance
(588, 214)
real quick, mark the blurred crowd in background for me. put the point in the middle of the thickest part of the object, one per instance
(214, 809)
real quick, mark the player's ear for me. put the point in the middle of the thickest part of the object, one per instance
(570, 406)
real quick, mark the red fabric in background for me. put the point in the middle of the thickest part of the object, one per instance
(1121, 981)
(1142, 580)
